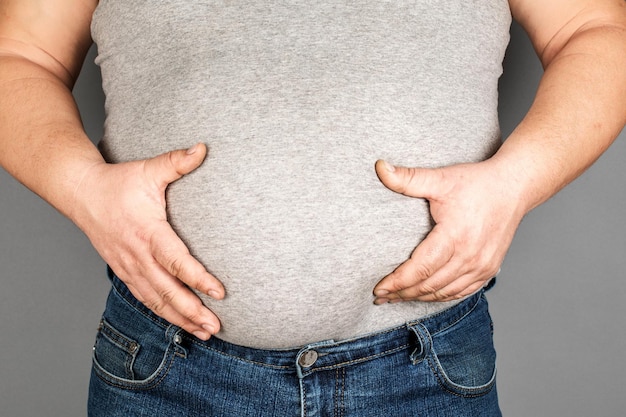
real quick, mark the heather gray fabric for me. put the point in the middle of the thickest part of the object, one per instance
(296, 101)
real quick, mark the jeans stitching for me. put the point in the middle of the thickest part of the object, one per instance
(336, 395)
(123, 343)
(355, 361)
(286, 367)
(447, 384)
(340, 384)
(144, 385)
(464, 392)
(342, 399)
(228, 355)
(304, 407)
(424, 336)
(459, 319)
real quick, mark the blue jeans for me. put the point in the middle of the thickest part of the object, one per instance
(442, 365)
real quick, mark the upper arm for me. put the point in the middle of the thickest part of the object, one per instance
(54, 35)
(551, 24)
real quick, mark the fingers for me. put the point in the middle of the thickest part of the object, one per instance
(452, 282)
(170, 299)
(458, 288)
(429, 256)
(165, 279)
(171, 166)
(161, 273)
(438, 270)
(172, 254)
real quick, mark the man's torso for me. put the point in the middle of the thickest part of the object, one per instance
(296, 101)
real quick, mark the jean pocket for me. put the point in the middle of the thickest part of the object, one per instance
(462, 356)
(134, 353)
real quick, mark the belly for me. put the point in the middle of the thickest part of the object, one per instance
(299, 236)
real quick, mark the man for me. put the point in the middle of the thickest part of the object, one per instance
(296, 102)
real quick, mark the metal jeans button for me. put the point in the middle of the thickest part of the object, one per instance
(308, 358)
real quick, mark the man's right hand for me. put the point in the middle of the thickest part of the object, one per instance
(121, 208)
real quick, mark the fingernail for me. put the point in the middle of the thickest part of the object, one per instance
(193, 149)
(381, 293)
(214, 294)
(209, 328)
(388, 166)
(201, 335)
(381, 301)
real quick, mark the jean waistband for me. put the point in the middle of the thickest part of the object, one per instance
(322, 355)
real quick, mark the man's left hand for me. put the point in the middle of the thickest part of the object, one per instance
(476, 213)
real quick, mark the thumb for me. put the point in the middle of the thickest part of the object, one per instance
(171, 166)
(412, 182)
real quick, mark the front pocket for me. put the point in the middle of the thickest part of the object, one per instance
(133, 363)
(115, 352)
(463, 357)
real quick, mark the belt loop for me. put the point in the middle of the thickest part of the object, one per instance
(423, 342)
(174, 335)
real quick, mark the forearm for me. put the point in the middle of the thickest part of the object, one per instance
(579, 109)
(42, 141)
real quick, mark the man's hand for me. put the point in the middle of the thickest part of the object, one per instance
(476, 216)
(121, 208)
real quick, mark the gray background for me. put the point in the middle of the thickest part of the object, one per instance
(558, 306)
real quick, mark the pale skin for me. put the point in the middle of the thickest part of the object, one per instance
(580, 108)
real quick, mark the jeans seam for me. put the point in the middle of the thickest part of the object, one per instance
(228, 355)
(424, 337)
(144, 385)
(355, 361)
(304, 408)
(286, 367)
(462, 392)
(340, 385)
(467, 313)
(123, 342)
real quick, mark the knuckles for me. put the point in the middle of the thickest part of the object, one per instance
(156, 305)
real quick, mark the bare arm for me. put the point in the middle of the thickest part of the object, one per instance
(120, 207)
(580, 106)
(579, 109)
(42, 47)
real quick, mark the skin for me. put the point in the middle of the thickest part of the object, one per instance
(580, 108)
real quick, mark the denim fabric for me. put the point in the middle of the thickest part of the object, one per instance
(442, 365)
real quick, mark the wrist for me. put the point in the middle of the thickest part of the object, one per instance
(82, 195)
(528, 176)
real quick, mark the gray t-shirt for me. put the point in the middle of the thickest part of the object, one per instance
(296, 100)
